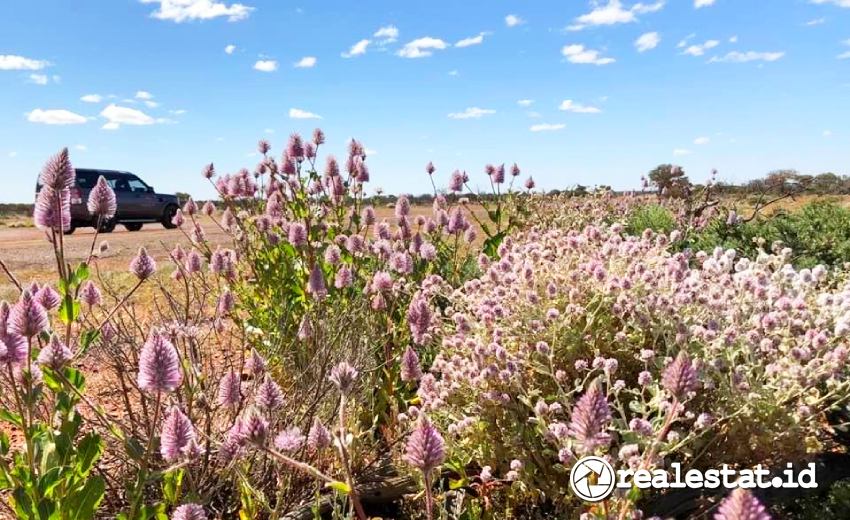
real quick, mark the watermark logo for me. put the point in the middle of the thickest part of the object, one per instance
(592, 479)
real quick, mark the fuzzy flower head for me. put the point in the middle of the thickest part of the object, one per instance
(143, 265)
(58, 173)
(425, 449)
(589, 419)
(410, 369)
(680, 376)
(316, 283)
(56, 354)
(90, 294)
(27, 318)
(289, 440)
(741, 505)
(52, 210)
(177, 435)
(102, 200)
(343, 377)
(159, 365)
(230, 390)
(318, 437)
(269, 396)
(189, 512)
(48, 297)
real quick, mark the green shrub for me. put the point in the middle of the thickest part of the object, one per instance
(651, 216)
(819, 233)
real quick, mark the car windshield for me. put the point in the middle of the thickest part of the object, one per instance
(127, 184)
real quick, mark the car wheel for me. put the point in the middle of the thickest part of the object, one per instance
(107, 226)
(69, 231)
(168, 217)
(133, 226)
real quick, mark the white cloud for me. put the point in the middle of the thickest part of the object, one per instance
(703, 3)
(306, 62)
(421, 47)
(297, 113)
(647, 41)
(92, 98)
(547, 127)
(453, 72)
(12, 155)
(81, 147)
(684, 41)
(699, 49)
(265, 65)
(151, 104)
(472, 113)
(613, 13)
(681, 151)
(187, 10)
(357, 49)
(472, 40)
(12, 62)
(143, 94)
(827, 133)
(702, 140)
(525, 102)
(513, 20)
(39, 79)
(733, 39)
(577, 53)
(816, 21)
(370, 152)
(230, 49)
(568, 105)
(839, 3)
(844, 56)
(55, 117)
(116, 116)
(178, 112)
(744, 57)
(386, 34)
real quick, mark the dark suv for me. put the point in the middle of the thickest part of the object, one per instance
(137, 202)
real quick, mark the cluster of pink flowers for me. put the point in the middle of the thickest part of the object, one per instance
(597, 342)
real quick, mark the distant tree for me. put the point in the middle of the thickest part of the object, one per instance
(669, 180)
(182, 197)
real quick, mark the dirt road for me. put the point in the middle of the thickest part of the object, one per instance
(29, 255)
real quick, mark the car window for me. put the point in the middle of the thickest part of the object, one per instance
(137, 186)
(86, 179)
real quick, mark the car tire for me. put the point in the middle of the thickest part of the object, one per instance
(168, 217)
(70, 230)
(133, 226)
(107, 226)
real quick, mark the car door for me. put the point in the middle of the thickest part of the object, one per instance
(124, 196)
(144, 199)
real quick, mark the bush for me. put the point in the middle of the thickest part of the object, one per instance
(654, 217)
(819, 233)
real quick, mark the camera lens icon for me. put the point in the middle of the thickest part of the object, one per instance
(592, 479)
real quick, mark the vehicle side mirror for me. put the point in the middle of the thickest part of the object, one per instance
(150, 189)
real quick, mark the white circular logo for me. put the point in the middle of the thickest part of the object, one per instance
(592, 479)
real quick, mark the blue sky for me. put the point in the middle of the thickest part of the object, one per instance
(573, 91)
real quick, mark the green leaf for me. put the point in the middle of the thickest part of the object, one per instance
(76, 378)
(49, 480)
(171, 483)
(89, 451)
(81, 274)
(83, 504)
(69, 310)
(11, 417)
(341, 487)
(87, 339)
(134, 448)
(4, 443)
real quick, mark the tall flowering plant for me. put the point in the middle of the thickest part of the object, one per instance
(47, 465)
